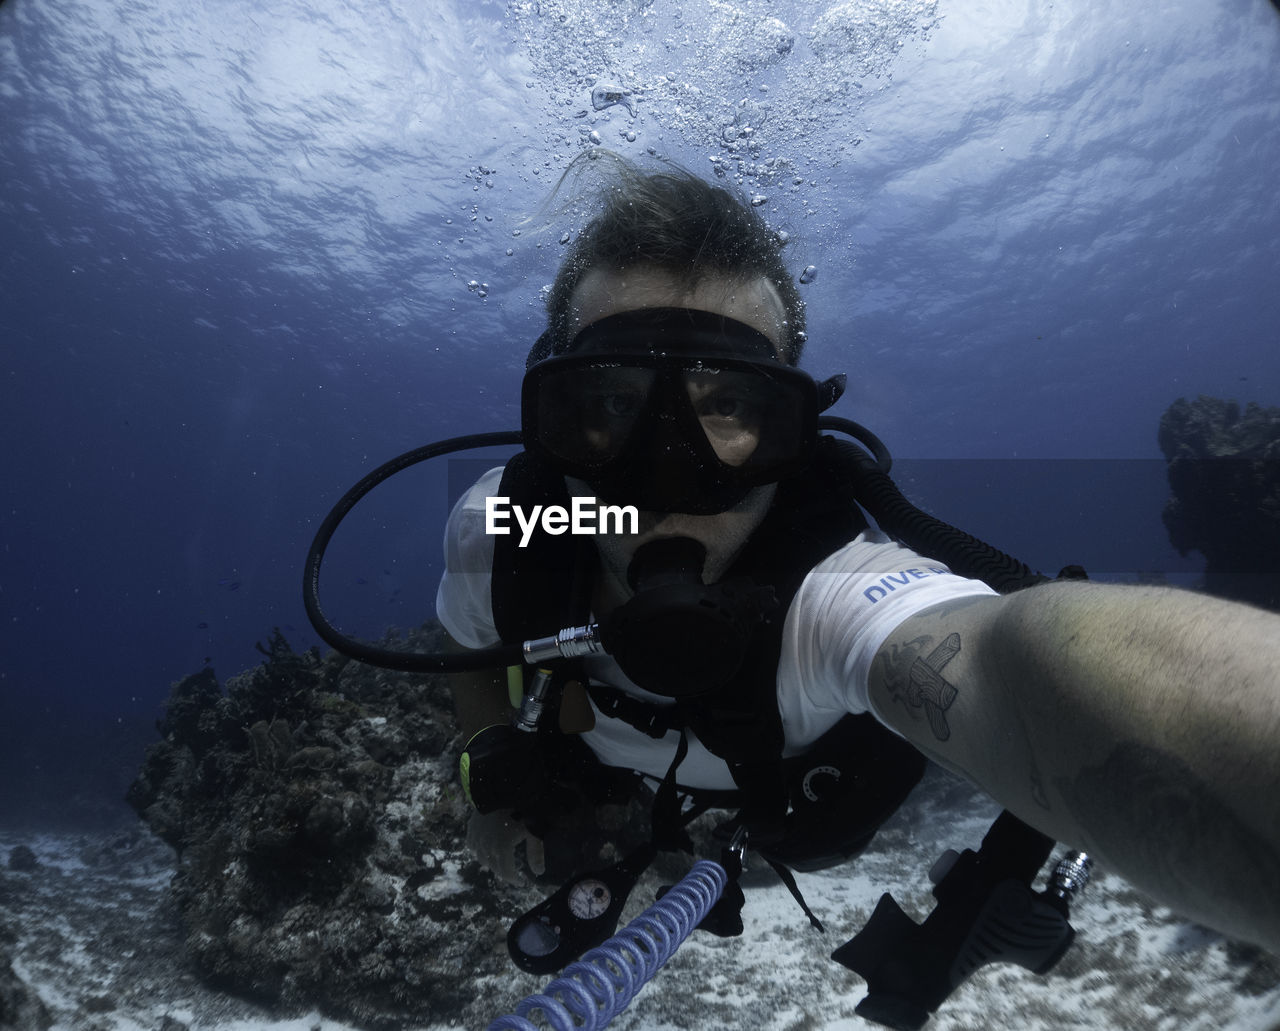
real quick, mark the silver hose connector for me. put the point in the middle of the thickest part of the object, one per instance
(1071, 875)
(570, 643)
(534, 701)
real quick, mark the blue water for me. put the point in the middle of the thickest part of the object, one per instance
(237, 242)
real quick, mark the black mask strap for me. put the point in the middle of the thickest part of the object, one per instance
(541, 349)
(830, 390)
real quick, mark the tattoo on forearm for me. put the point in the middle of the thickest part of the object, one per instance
(928, 689)
(1039, 795)
(924, 689)
(1156, 812)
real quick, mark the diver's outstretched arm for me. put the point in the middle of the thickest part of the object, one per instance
(1140, 724)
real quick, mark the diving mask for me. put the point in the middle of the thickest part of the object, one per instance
(672, 410)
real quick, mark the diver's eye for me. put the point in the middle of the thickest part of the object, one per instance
(612, 410)
(726, 406)
(612, 393)
(618, 406)
(723, 397)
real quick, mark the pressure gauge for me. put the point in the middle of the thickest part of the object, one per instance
(581, 915)
(589, 898)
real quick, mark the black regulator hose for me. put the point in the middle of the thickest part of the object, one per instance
(387, 658)
(883, 460)
(961, 552)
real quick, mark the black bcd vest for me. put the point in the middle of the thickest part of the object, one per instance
(807, 811)
(824, 806)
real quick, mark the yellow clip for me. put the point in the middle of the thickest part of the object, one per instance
(515, 685)
(464, 767)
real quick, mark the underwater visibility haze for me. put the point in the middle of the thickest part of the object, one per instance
(251, 252)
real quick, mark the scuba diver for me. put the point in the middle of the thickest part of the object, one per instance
(667, 382)
(753, 644)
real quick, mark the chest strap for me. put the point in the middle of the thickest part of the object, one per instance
(650, 719)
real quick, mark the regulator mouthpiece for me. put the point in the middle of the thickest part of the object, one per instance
(678, 636)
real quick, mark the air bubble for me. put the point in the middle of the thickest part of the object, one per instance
(604, 96)
(809, 274)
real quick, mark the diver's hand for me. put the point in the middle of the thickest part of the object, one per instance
(492, 839)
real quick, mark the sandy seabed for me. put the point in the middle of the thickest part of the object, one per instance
(99, 942)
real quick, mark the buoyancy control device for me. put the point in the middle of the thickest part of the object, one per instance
(854, 777)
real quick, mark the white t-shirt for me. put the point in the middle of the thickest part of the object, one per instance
(844, 610)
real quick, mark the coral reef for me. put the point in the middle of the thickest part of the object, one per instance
(1224, 475)
(319, 833)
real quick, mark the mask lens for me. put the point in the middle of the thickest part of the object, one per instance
(588, 413)
(749, 418)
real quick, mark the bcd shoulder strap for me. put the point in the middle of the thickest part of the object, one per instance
(536, 589)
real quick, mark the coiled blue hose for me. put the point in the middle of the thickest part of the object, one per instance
(591, 992)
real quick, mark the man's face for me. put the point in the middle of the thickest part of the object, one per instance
(756, 303)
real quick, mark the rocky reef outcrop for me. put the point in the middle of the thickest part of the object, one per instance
(320, 833)
(1224, 478)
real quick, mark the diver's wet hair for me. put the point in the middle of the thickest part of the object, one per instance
(674, 221)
